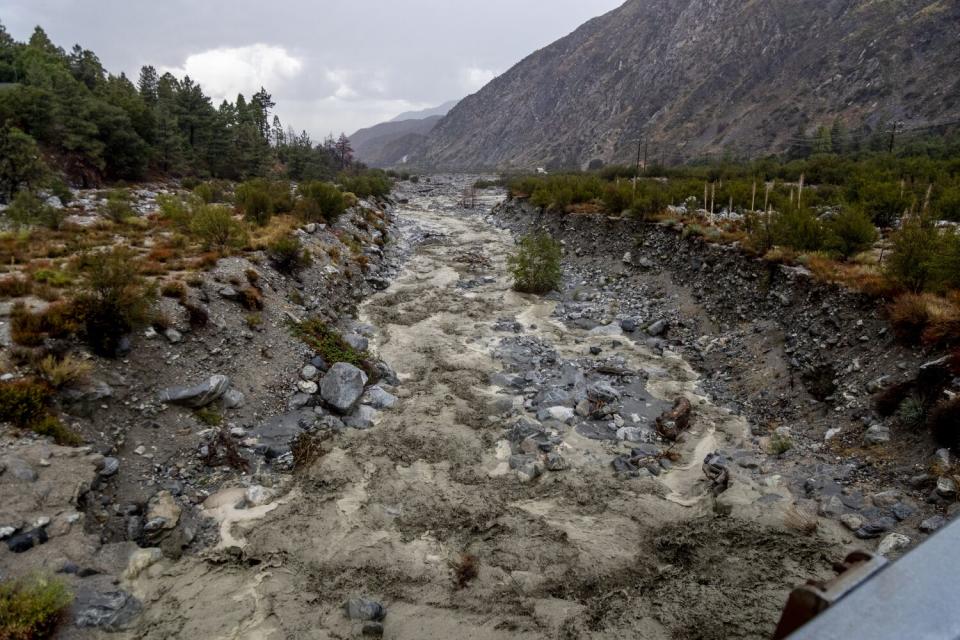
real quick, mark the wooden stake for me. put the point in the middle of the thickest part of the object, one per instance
(753, 199)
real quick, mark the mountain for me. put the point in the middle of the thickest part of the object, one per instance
(694, 77)
(389, 143)
(442, 110)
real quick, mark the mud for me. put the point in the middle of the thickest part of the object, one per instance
(582, 552)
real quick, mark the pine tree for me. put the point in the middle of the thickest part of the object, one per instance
(344, 151)
(20, 161)
(148, 85)
(260, 105)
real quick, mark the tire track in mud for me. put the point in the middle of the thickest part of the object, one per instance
(389, 513)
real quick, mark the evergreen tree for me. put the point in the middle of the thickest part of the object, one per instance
(20, 161)
(148, 85)
(344, 151)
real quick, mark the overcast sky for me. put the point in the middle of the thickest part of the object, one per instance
(331, 65)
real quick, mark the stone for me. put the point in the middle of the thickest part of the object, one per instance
(173, 336)
(319, 363)
(27, 540)
(876, 434)
(372, 629)
(874, 528)
(357, 341)
(560, 414)
(944, 459)
(198, 396)
(932, 524)
(110, 611)
(6, 532)
(363, 417)
(852, 521)
(307, 387)
(309, 372)
(229, 293)
(140, 560)
(257, 495)
(658, 328)
(299, 401)
(364, 609)
(342, 386)
(902, 511)
(162, 507)
(631, 434)
(556, 462)
(19, 469)
(109, 467)
(387, 374)
(233, 399)
(946, 488)
(893, 542)
(378, 398)
(832, 507)
(629, 325)
(887, 498)
(603, 392)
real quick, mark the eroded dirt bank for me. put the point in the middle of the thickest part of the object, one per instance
(516, 489)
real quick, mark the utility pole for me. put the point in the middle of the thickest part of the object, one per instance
(636, 173)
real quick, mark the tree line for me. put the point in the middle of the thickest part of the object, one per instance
(63, 114)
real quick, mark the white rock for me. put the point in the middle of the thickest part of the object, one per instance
(140, 560)
(893, 542)
(307, 386)
(257, 495)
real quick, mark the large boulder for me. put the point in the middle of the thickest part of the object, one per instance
(198, 396)
(342, 386)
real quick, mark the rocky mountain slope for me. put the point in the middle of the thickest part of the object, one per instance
(701, 76)
(388, 143)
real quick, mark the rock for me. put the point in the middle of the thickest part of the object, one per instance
(233, 399)
(603, 392)
(277, 432)
(6, 532)
(364, 609)
(27, 540)
(173, 336)
(902, 511)
(140, 560)
(560, 414)
(198, 396)
(658, 328)
(377, 398)
(307, 387)
(309, 372)
(19, 469)
(887, 498)
(111, 611)
(944, 459)
(893, 542)
(612, 329)
(556, 462)
(631, 434)
(672, 423)
(108, 467)
(357, 341)
(256, 495)
(363, 417)
(876, 434)
(387, 374)
(875, 528)
(342, 386)
(628, 257)
(629, 325)
(876, 385)
(372, 629)
(319, 363)
(832, 507)
(932, 524)
(299, 401)
(584, 408)
(163, 511)
(946, 488)
(595, 351)
(229, 293)
(852, 521)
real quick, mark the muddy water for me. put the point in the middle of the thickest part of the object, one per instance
(391, 512)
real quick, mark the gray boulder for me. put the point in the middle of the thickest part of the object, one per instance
(198, 396)
(364, 609)
(111, 611)
(377, 398)
(342, 386)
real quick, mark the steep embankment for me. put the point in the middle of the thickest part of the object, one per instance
(695, 76)
(387, 143)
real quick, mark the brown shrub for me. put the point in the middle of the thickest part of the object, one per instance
(910, 316)
(465, 569)
(15, 287)
(889, 400)
(174, 289)
(251, 299)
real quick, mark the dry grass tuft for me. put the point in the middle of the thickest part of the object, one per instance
(65, 372)
(465, 569)
(801, 519)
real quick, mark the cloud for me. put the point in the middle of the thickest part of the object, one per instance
(225, 72)
(333, 114)
(472, 79)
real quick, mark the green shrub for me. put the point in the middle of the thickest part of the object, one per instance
(320, 202)
(798, 229)
(176, 210)
(14, 287)
(117, 206)
(945, 262)
(211, 191)
(288, 255)
(23, 402)
(29, 210)
(914, 247)
(780, 444)
(115, 300)
(255, 202)
(216, 227)
(535, 266)
(850, 232)
(331, 346)
(31, 609)
(366, 185)
(51, 427)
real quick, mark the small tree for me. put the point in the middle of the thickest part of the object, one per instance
(28, 210)
(20, 161)
(535, 266)
(914, 247)
(320, 201)
(850, 232)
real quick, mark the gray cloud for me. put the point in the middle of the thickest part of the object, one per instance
(331, 65)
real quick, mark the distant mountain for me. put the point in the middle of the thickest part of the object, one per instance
(442, 110)
(709, 76)
(389, 143)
